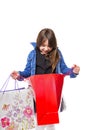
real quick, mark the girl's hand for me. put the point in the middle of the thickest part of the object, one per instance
(14, 75)
(76, 69)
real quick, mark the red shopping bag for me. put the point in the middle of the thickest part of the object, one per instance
(48, 89)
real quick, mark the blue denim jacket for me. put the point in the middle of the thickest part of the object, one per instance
(30, 67)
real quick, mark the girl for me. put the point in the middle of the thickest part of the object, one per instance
(44, 59)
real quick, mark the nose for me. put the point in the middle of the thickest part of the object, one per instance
(46, 48)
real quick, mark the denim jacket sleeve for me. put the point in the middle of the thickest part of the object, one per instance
(64, 68)
(29, 67)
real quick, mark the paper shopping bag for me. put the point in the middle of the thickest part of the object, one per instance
(16, 109)
(48, 89)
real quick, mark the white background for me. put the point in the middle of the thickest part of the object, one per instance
(20, 22)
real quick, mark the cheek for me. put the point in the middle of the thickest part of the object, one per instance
(41, 48)
(50, 49)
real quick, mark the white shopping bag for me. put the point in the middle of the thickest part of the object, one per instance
(16, 109)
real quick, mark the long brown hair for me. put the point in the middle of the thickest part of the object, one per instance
(48, 34)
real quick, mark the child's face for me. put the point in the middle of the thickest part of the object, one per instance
(44, 48)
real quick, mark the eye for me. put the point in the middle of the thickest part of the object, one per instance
(43, 45)
(50, 47)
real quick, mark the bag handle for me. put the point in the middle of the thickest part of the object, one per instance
(70, 71)
(4, 86)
